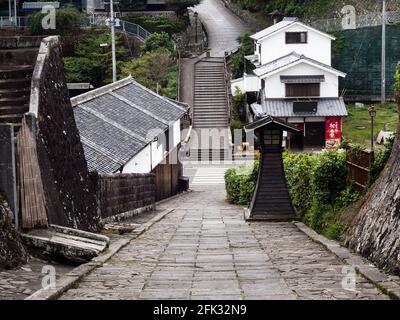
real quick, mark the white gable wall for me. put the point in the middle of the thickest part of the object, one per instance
(318, 46)
(274, 88)
(153, 154)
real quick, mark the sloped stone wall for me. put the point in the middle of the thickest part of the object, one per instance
(12, 252)
(70, 196)
(375, 232)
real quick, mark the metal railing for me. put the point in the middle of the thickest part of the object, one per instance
(362, 21)
(86, 21)
(133, 28)
(6, 22)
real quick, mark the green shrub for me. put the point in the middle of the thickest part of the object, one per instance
(380, 159)
(156, 41)
(155, 70)
(329, 177)
(299, 170)
(160, 24)
(240, 183)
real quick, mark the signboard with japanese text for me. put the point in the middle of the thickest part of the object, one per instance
(333, 132)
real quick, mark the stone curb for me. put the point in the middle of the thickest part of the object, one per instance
(388, 284)
(73, 277)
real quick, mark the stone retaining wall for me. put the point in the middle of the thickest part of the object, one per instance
(123, 195)
(70, 197)
(12, 252)
(376, 229)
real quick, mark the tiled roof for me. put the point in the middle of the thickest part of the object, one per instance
(288, 60)
(282, 25)
(272, 29)
(117, 121)
(282, 108)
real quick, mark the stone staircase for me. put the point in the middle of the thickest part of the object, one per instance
(210, 102)
(210, 111)
(17, 60)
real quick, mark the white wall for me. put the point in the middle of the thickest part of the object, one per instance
(274, 88)
(147, 159)
(318, 47)
(140, 163)
(176, 133)
(249, 83)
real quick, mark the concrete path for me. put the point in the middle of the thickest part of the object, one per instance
(205, 250)
(223, 27)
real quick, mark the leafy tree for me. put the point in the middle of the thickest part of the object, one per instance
(67, 20)
(93, 62)
(397, 84)
(161, 40)
(238, 59)
(81, 69)
(155, 70)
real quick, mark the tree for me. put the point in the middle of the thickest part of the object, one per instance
(67, 20)
(238, 59)
(92, 61)
(155, 70)
(159, 40)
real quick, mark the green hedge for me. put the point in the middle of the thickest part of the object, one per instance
(240, 183)
(317, 185)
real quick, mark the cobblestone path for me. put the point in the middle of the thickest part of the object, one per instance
(205, 250)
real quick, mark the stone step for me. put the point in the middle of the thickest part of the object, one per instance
(20, 101)
(19, 56)
(15, 83)
(211, 113)
(206, 104)
(65, 243)
(10, 118)
(15, 93)
(13, 110)
(16, 72)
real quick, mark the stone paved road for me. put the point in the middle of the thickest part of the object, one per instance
(205, 250)
(20, 283)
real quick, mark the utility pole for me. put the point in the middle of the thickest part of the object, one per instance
(383, 91)
(114, 59)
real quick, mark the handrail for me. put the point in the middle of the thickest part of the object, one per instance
(87, 20)
(257, 187)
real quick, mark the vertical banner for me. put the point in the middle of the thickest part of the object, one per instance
(333, 132)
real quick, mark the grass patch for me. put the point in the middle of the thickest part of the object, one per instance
(357, 127)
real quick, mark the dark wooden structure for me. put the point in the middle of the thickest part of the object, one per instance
(359, 165)
(271, 199)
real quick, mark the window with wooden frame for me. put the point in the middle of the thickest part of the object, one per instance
(296, 37)
(272, 137)
(303, 89)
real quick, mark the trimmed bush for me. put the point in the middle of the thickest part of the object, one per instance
(240, 183)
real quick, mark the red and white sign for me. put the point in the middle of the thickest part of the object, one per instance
(333, 132)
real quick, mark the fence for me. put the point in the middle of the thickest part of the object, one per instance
(167, 177)
(361, 21)
(6, 22)
(359, 164)
(86, 21)
(122, 195)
